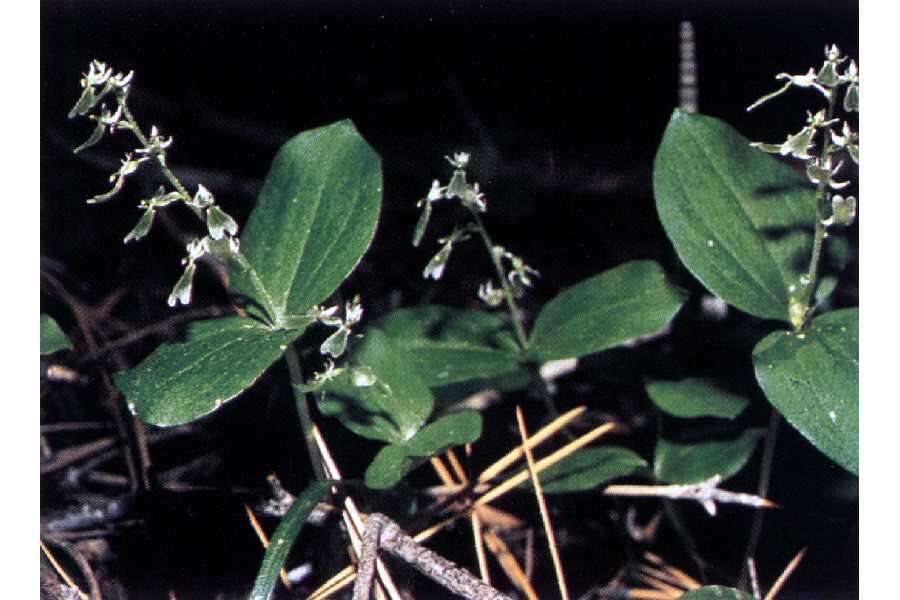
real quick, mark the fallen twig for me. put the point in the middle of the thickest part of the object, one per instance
(706, 493)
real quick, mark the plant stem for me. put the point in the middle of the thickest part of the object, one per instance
(170, 176)
(300, 400)
(167, 172)
(501, 273)
(546, 395)
(515, 315)
(822, 196)
(263, 293)
(684, 536)
(762, 490)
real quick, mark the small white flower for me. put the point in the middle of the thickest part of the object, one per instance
(436, 192)
(489, 294)
(460, 160)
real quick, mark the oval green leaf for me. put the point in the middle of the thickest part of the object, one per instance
(589, 468)
(605, 310)
(740, 220)
(394, 408)
(455, 429)
(314, 219)
(695, 397)
(448, 345)
(716, 592)
(388, 467)
(52, 337)
(685, 463)
(812, 378)
(395, 460)
(219, 358)
(284, 537)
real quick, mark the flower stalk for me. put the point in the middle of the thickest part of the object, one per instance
(820, 166)
(221, 242)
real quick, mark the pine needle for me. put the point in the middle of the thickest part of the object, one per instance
(352, 517)
(445, 477)
(683, 578)
(779, 583)
(456, 466)
(441, 470)
(264, 540)
(479, 548)
(545, 463)
(62, 572)
(509, 564)
(542, 505)
(539, 437)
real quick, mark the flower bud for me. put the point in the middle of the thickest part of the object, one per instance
(182, 290)
(843, 210)
(219, 222)
(143, 226)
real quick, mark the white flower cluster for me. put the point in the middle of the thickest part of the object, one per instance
(821, 167)
(101, 82)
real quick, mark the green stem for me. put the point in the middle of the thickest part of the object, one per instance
(256, 282)
(822, 196)
(518, 326)
(684, 536)
(501, 274)
(263, 293)
(301, 401)
(762, 490)
(544, 391)
(167, 172)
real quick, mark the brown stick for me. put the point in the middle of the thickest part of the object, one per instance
(381, 532)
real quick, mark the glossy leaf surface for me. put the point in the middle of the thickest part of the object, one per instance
(695, 397)
(52, 337)
(449, 345)
(392, 409)
(740, 220)
(812, 378)
(393, 461)
(693, 462)
(185, 379)
(388, 467)
(314, 219)
(589, 468)
(716, 592)
(315, 216)
(605, 310)
(455, 429)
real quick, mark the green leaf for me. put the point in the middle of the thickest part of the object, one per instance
(740, 220)
(812, 378)
(695, 397)
(394, 408)
(388, 467)
(315, 217)
(716, 592)
(686, 463)
(284, 537)
(463, 427)
(605, 310)
(219, 358)
(447, 396)
(395, 460)
(448, 345)
(52, 337)
(589, 468)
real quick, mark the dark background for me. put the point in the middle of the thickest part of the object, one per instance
(562, 105)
